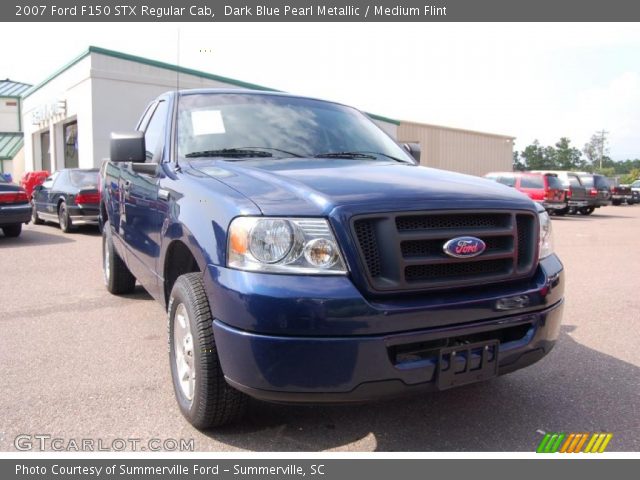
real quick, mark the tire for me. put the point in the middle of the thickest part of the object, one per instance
(35, 219)
(12, 231)
(63, 218)
(573, 210)
(117, 277)
(616, 202)
(561, 212)
(587, 210)
(205, 399)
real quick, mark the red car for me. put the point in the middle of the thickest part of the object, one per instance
(31, 179)
(544, 188)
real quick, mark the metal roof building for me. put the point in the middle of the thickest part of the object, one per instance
(69, 116)
(11, 138)
(11, 89)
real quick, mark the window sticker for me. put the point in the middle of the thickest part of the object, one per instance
(207, 122)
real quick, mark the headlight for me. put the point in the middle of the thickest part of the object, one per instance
(283, 245)
(546, 235)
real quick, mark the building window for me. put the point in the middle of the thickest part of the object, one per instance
(45, 150)
(70, 132)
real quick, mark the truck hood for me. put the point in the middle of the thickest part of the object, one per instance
(315, 187)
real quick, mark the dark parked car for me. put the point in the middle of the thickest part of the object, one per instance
(303, 256)
(621, 193)
(543, 188)
(577, 197)
(598, 191)
(69, 197)
(635, 191)
(14, 208)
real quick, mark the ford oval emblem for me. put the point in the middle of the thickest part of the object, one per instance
(464, 247)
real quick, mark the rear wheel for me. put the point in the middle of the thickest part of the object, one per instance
(117, 277)
(587, 210)
(12, 230)
(204, 397)
(63, 218)
(34, 214)
(561, 212)
(616, 202)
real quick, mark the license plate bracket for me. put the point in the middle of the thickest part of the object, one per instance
(469, 363)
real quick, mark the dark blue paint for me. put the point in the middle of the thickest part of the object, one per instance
(284, 334)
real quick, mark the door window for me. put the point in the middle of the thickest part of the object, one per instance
(531, 181)
(154, 132)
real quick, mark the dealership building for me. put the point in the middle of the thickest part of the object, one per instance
(67, 119)
(11, 137)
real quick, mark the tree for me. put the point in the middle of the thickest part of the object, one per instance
(538, 157)
(631, 177)
(596, 148)
(518, 163)
(567, 157)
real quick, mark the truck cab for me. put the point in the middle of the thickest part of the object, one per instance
(303, 256)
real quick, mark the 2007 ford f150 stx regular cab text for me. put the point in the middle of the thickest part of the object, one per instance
(303, 256)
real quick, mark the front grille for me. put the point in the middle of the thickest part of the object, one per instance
(446, 222)
(405, 252)
(369, 246)
(458, 270)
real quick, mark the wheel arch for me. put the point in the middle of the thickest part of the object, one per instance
(179, 258)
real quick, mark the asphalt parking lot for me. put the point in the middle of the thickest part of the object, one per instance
(79, 363)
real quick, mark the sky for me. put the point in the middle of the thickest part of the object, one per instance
(528, 80)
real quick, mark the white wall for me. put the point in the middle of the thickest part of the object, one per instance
(9, 115)
(121, 91)
(74, 86)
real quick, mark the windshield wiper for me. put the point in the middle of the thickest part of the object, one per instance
(297, 155)
(362, 154)
(345, 155)
(229, 152)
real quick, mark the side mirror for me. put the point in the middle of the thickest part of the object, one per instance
(128, 147)
(414, 150)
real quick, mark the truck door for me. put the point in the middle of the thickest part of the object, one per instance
(143, 212)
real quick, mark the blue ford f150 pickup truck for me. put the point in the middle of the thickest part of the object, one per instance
(303, 256)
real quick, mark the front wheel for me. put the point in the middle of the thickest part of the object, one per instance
(35, 219)
(204, 397)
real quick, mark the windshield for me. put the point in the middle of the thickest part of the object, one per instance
(277, 126)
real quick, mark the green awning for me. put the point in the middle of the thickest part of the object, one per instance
(10, 144)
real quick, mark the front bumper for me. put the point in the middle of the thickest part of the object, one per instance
(356, 369)
(332, 345)
(15, 214)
